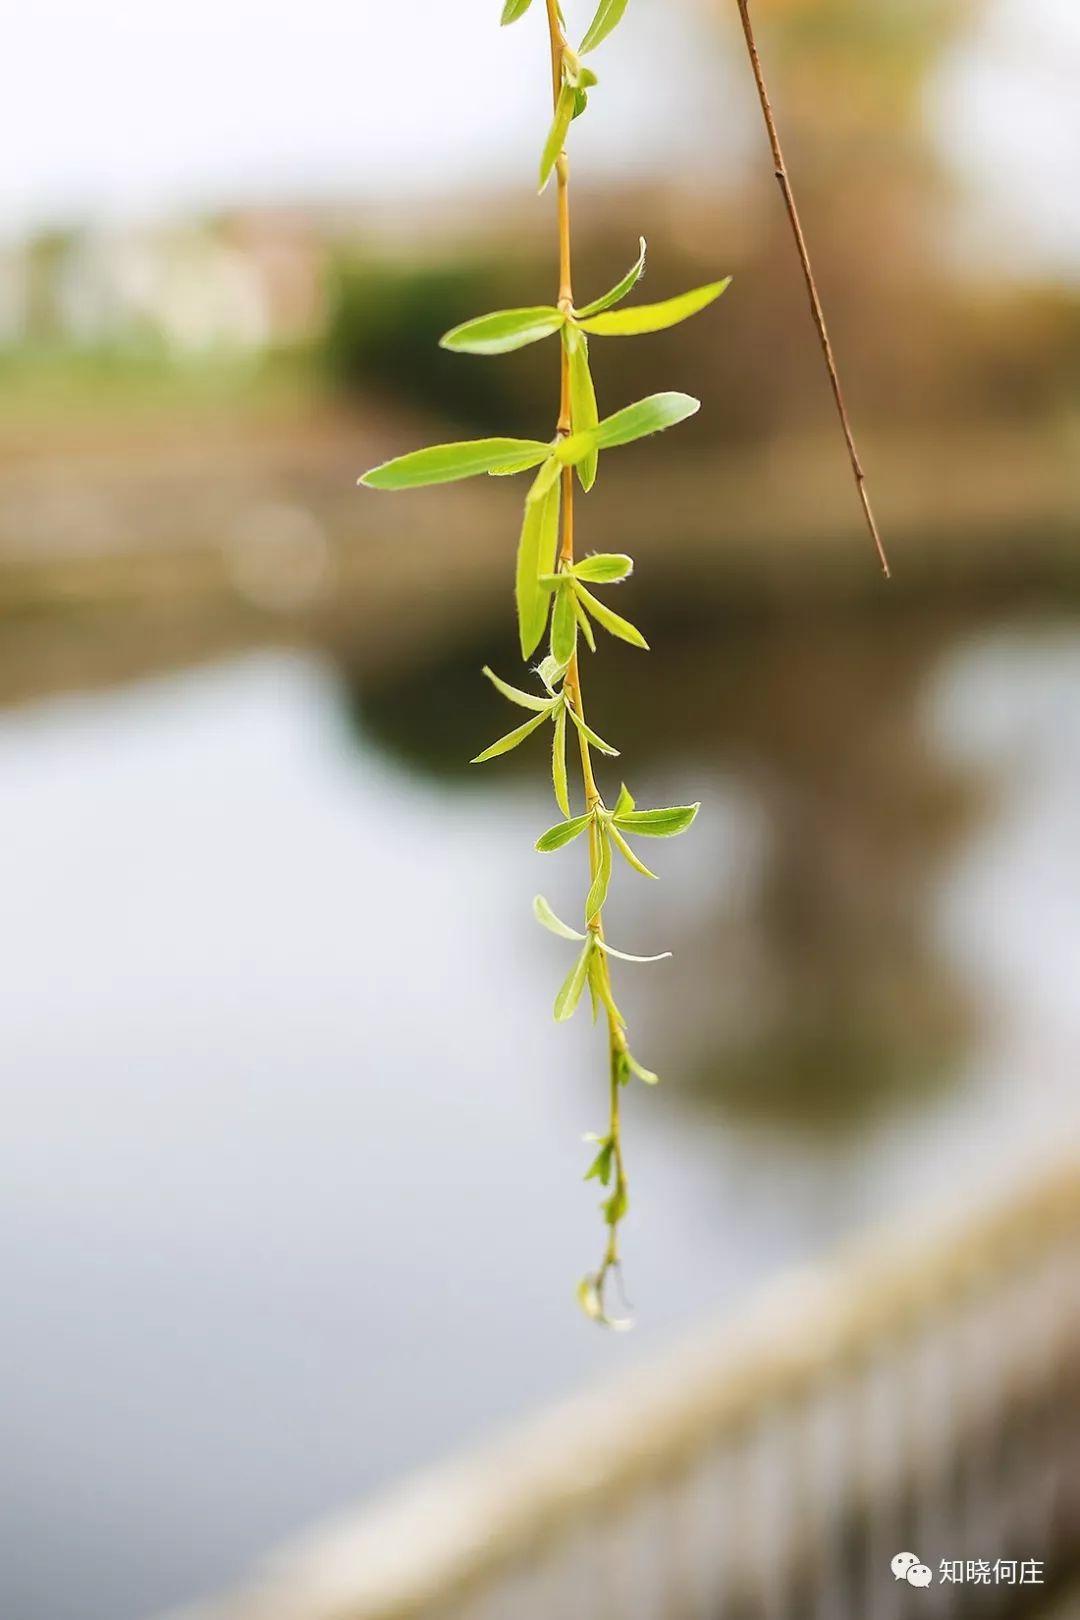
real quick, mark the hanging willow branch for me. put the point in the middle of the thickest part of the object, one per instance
(818, 313)
(554, 589)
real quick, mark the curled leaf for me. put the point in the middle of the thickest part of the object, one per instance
(624, 956)
(558, 761)
(555, 925)
(646, 1075)
(514, 694)
(617, 293)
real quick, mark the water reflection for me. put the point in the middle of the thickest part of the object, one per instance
(289, 1187)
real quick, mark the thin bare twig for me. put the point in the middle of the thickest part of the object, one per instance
(780, 170)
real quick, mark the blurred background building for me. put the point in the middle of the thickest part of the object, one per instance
(289, 1199)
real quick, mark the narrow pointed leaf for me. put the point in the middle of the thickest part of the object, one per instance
(583, 411)
(447, 463)
(536, 552)
(587, 732)
(654, 317)
(642, 1073)
(564, 113)
(570, 993)
(613, 623)
(564, 832)
(609, 14)
(558, 761)
(511, 740)
(503, 330)
(666, 823)
(600, 984)
(599, 891)
(651, 415)
(563, 626)
(600, 1169)
(583, 624)
(545, 480)
(524, 700)
(606, 568)
(620, 289)
(625, 801)
(628, 854)
(513, 9)
(544, 915)
(624, 956)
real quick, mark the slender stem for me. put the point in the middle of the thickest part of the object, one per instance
(572, 679)
(780, 170)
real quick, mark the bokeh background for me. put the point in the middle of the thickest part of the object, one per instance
(291, 1195)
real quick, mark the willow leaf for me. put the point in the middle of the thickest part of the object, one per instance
(564, 113)
(625, 801)
(503, 330)
(587, 732)
(654, 317)
(513, 9)
(447, 463)
(555, 925)
(511, 740)
(642, 1073)
(536, 550)
(600, 985)
(583, 411)
(563, 625)
(584, 625)
(605, 568)
(617, 293)
(628, 854)
(524, 700)
(594, 901)
(624, 956)
(651, 415)
(658, 823)
(570, 993)
(563, 833)
(613, 623)
(609, 14)
(558, 761)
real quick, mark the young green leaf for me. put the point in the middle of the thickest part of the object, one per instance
(564, 113)
(616, 1206)
(617, 293)
(583, 624)
(628, 854)
(524, 700)
(564, 832)
(624, 802)
(536, 553)
(583, 411)
(446, 463)
(613, 623)
(545, 480)
(605, 568)
(600, 1169)
(549, 672)
(654, 317)
(513, 9)
(608, 16)
(651, 415)
(590, 735)
(503, 330)
(558, 761)
(658, 823)
(563, 625)
(570, 992)
(600, 883)
(544, 915)
(642, 1073)
(624, 956)
(600, 985)
(511, 740)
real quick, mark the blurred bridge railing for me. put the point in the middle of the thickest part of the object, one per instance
(921, 1395)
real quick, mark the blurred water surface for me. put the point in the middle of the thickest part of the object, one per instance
(290, 1198)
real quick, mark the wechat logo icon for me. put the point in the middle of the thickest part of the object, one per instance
(906, 1567)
